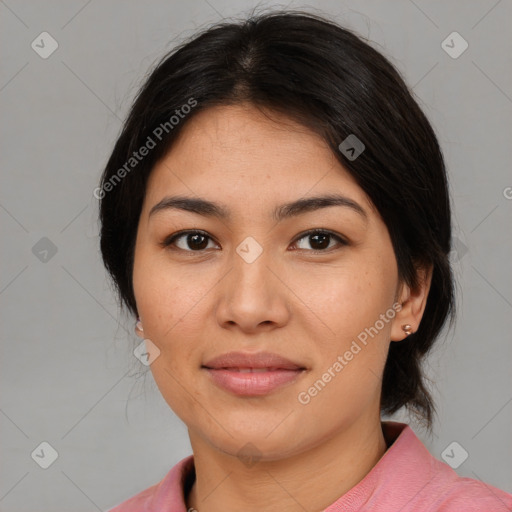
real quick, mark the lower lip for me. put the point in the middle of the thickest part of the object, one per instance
(252, 383)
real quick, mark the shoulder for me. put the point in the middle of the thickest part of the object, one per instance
(137, 503)
(470, 495)
(449, 492)
(409, 478)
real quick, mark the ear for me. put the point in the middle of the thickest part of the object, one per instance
(413, 302)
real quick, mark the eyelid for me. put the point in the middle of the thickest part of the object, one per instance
(168, 241)
(341, 240)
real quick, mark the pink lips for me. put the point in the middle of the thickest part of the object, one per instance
(252, 374)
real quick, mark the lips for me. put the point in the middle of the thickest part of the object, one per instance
(249, 370)
(252, 374)
(256, 362)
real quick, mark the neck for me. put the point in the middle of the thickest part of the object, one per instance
(310, 480)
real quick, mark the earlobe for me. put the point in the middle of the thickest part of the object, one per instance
(139, 329)
(413, 303)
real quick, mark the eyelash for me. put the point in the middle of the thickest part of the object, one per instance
(170, 240)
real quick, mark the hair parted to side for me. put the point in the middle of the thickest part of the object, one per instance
(329, 80)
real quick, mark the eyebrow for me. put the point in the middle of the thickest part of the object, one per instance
(285, 211)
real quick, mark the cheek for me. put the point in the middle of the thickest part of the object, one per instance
(353, 351)
(171, 300)
(168, 301)
(163, 295)
(348, 299)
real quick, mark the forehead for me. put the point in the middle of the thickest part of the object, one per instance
(240, 153)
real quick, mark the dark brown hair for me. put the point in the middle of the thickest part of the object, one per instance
(331, 81)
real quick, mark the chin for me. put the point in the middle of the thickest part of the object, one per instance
(257, 444)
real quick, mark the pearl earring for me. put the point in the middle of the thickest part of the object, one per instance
(138, 325)
(407, 329)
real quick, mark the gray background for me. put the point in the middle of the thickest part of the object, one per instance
(68, 375)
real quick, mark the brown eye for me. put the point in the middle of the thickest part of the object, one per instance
(320, 240)
(191, 241)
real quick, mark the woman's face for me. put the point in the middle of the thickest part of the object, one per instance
(253, 281)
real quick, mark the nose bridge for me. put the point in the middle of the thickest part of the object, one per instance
(252, 294)
(251, 268)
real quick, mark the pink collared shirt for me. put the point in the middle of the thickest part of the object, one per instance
(407, 478)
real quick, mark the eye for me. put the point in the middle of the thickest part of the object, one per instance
(197, 241)
(193, 241)
(320, 240)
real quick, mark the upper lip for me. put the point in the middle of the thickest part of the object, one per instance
(255, 360)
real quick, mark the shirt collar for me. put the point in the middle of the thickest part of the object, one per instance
(406, 455)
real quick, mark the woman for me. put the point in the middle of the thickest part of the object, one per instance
(275, 214)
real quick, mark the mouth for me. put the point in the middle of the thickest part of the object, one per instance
(257, 374)
(250, 370)
(252, 381)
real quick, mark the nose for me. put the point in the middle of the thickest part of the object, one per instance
(253, 297)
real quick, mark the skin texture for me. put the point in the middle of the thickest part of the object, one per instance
(306, 306)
